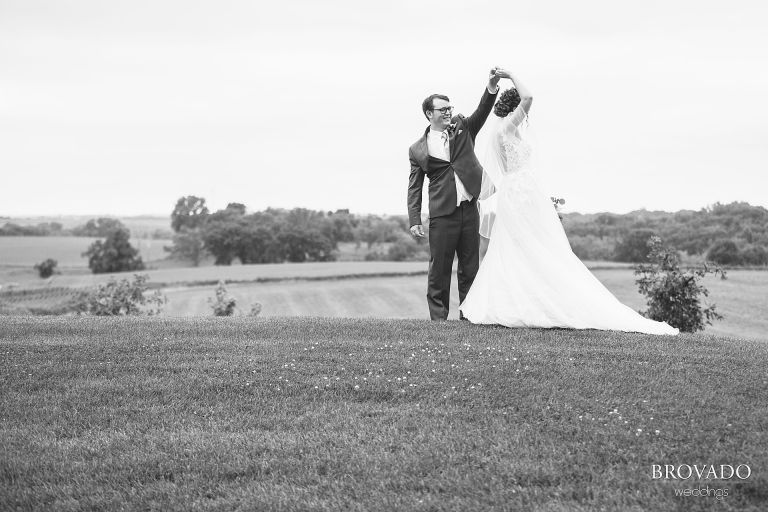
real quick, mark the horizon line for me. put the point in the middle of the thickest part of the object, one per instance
(248, 211)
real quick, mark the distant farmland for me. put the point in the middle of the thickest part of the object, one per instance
(67, 250)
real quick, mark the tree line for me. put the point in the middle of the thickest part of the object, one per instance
(276, 235)
(727, 234)
(99, 228)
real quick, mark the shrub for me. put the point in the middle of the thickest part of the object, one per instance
(255, 309)
(672, 294)
(124, 297)
(724, 252)
(223, 304)
(47, 268)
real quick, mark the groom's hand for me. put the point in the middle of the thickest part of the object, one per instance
(417, 231)
(493, 78)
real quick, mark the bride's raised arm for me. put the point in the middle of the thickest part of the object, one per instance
(526, 98)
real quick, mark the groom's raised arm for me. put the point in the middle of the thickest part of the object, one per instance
(478, 117)
(415, 186)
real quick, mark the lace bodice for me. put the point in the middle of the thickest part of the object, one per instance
(517, 153)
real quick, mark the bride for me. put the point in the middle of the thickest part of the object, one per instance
(529, 276)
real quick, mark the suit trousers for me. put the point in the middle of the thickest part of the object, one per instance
(449, 235)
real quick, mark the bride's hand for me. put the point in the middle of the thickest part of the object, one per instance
(502, 73)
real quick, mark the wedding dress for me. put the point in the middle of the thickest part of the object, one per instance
(530, 277)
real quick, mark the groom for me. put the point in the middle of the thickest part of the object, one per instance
(446, 155)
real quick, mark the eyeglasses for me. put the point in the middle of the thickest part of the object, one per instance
(443, 110)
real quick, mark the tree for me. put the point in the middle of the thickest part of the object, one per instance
(258, 242)
(377, 230)
(302, 244)
(190, 212)
(754, 255)
(406, 248)
(46, 268)
(724, 252)
(633, 246)
(188, 245)
(222, 234)
(238, 208)
(114, 254)
(672, 294)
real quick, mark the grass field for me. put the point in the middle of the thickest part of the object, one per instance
(369, 415)
(742, 298)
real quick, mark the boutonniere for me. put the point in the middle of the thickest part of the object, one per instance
(452, 130)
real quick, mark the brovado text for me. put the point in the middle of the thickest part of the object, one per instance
(705, 471)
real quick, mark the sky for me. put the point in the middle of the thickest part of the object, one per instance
(121, 107)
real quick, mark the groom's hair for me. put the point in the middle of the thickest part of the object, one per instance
(428, 104)
(508, 102)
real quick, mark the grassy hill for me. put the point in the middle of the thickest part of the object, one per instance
(344, 414)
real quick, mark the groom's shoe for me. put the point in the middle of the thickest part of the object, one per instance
(462, 317)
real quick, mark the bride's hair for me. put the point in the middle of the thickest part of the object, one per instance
(507, 102)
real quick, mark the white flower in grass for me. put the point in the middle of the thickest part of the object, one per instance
(357, 386)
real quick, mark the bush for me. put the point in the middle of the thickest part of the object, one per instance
(223, 305)
(255, 309)
(124, 298)
(47, 268)
(114, 254)
(724, 252)
(672, 294)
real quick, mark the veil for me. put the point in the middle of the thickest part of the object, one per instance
(489, 149)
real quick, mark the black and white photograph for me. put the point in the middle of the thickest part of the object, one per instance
(383, 256)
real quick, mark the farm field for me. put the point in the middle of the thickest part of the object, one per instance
(235, 273)
(372, 415)
(742, 298)
(25, 251)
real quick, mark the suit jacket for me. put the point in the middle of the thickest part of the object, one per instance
(442, 183)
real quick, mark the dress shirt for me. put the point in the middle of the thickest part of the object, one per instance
(439, 146)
